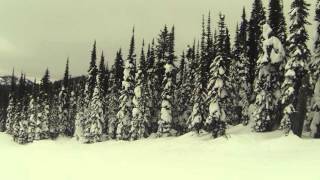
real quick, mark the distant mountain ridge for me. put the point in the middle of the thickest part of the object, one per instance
(6, 81)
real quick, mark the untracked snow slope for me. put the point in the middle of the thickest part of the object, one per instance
(243, 155)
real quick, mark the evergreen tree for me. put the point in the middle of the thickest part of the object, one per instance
(219, 88)
(203, 56)
(43, 116)
(161, 52)
(20, 108)
(119, 69)
(125, 113)
(152, 88)
(241, 69)
(184, 91)
(104, 75)
(84, 102)
(268, 84)
(32, 118)
(236, 79)
(113, 104)
(277, 21)
(57, 125)
(11, 106)
(197, 119)
(93, 127)
(315, 76)
(70, 129)
(140, 113)
(166, 121)
(295, 86)
(257, 19)
(64, 104)
(91, 81)
(103, 79)
(209, 49)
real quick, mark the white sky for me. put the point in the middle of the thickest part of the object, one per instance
(36, 34)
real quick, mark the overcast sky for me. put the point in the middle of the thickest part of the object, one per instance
(36, 34)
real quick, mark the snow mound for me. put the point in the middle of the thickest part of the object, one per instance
(242, 154)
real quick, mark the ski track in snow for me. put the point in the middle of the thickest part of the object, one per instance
(243, 155)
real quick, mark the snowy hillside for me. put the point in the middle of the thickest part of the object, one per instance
(244, 155)
(6, 81)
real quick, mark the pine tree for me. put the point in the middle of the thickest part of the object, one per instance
(241, 69)
(104, 74)
(70, 129)
(84, 102)
(315, 123)
(219, 87)
(64, 105)
(93, 127)
(295, 85)
(166, 121)
(113, 104)
(43, 116)
(267, 82)
(103, 79)
(91, 81)
(125, 113)
(81, 117)
(184, 91)
(20, 110)
(56, 125)
(152, 88)
(277, 21)
(161, 51)
(11, 106)
(119, 69)
(32, 118)
(236, 79)
(203, 56)
(315, 76)
(257, 19)
(209, 49)
(140, 113)
(197, 119)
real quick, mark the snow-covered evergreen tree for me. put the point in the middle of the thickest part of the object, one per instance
(295, 85)
(196, 120)
(32, 119)
(314, 122)
(64, 103)
(93, 70)
(55, 122)
(141, 111)
(277, 21)
(267, 83)
(152, 91)
(166, 117)
(81, 117)
(70, 128)
(113, 104)
(11, 106)
(139, 118)
(93, 125)
(43, 116)
(257, 20)
(219, 87)
(125, 113)
(86, 96)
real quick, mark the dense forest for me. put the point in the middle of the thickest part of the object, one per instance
(266, 78)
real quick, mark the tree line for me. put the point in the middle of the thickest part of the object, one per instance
(267, 78)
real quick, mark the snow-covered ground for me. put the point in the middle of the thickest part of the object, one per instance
(244, 155)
